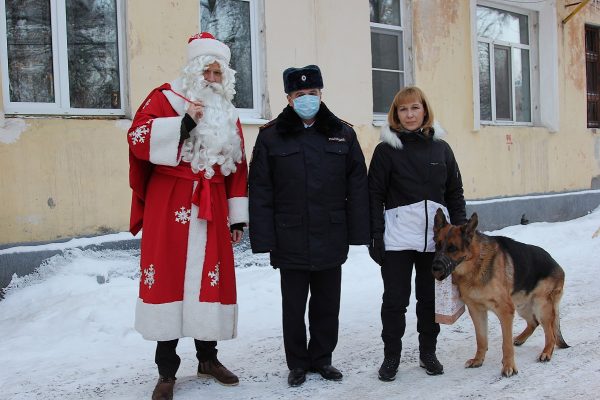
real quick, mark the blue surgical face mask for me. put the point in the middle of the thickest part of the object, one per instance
(307, 106)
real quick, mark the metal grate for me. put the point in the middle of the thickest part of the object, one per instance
(592, 66)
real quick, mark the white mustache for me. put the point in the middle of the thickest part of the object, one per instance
(216, 87)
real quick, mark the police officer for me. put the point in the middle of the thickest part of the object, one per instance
(308, 197)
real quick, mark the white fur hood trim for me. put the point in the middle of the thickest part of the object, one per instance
(177, 102)
(392, 139)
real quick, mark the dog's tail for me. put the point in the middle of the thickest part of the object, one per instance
(560, 342)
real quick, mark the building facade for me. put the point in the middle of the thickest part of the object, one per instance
(515, 84)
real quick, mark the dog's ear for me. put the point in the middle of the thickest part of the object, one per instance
(474, 221)
(468, 229)
(439, 221)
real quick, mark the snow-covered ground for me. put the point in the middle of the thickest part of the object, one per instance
(66, 333)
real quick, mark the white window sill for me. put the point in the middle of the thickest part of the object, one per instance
(379, 119)
(508, 123)
(64, 116)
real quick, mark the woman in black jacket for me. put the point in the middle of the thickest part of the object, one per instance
(412, 174)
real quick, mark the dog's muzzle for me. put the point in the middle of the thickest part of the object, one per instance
(443, 266)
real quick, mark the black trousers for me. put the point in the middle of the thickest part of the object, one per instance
(323, 313)
(168, 361)
(397, 276)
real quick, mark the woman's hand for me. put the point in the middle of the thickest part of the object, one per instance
(377, 251)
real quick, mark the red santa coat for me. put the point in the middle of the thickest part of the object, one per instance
(187, 281)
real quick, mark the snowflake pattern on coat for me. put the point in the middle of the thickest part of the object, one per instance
(149, 276)
(183, 215)
(214, 276)
(139, 134)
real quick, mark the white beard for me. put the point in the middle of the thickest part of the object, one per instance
(215, 140)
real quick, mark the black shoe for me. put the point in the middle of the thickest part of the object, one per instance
(297, 377)
(431, 364)
(329, 372)
(388, 369)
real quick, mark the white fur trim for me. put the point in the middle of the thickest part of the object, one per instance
(176, 102)
(210, 321)
(164, 141)
(206, 321)
(190, 317)
(208, 47)
(392, 139)
(238, 210)
(170, 325)
(159, 321)
(438, 131)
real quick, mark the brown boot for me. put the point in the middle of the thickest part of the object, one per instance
(216, 370)
(163, 389)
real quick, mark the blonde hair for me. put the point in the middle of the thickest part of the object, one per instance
(402, 97)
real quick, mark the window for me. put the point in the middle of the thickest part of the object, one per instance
(389, 47)
(62, 57)
(510, 61)
(504, 47)
(592, 67)
(235, 23)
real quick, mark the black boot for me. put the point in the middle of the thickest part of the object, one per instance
(296, 377)
(431, 364)
(388, 369)
(329, 372)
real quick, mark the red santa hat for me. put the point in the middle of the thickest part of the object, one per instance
(205, 44)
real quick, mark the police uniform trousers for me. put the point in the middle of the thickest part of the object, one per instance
(323, 312)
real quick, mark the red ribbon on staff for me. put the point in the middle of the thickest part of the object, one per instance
(183, 97)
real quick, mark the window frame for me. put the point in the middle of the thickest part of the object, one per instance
(256, 114)
(61, 105)
(405, 28)
(593, 124)
(533, 46)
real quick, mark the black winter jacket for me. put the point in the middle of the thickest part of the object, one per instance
(308, 192)
(412, 175)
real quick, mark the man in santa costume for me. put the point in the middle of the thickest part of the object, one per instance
(188, 174)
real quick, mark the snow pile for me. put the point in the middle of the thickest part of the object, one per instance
(67, 332)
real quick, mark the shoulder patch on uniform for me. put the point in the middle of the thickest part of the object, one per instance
(346, 122)
(268, 124)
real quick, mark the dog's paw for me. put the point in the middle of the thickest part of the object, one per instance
(517, 341)
(474, 363)
(509, 370)
(545, 357)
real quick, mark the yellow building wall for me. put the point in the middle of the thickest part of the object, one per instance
(335, 35)
(63, 177)
(500, 160)
(69, 177)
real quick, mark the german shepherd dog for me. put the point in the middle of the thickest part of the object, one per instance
(500, 274)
